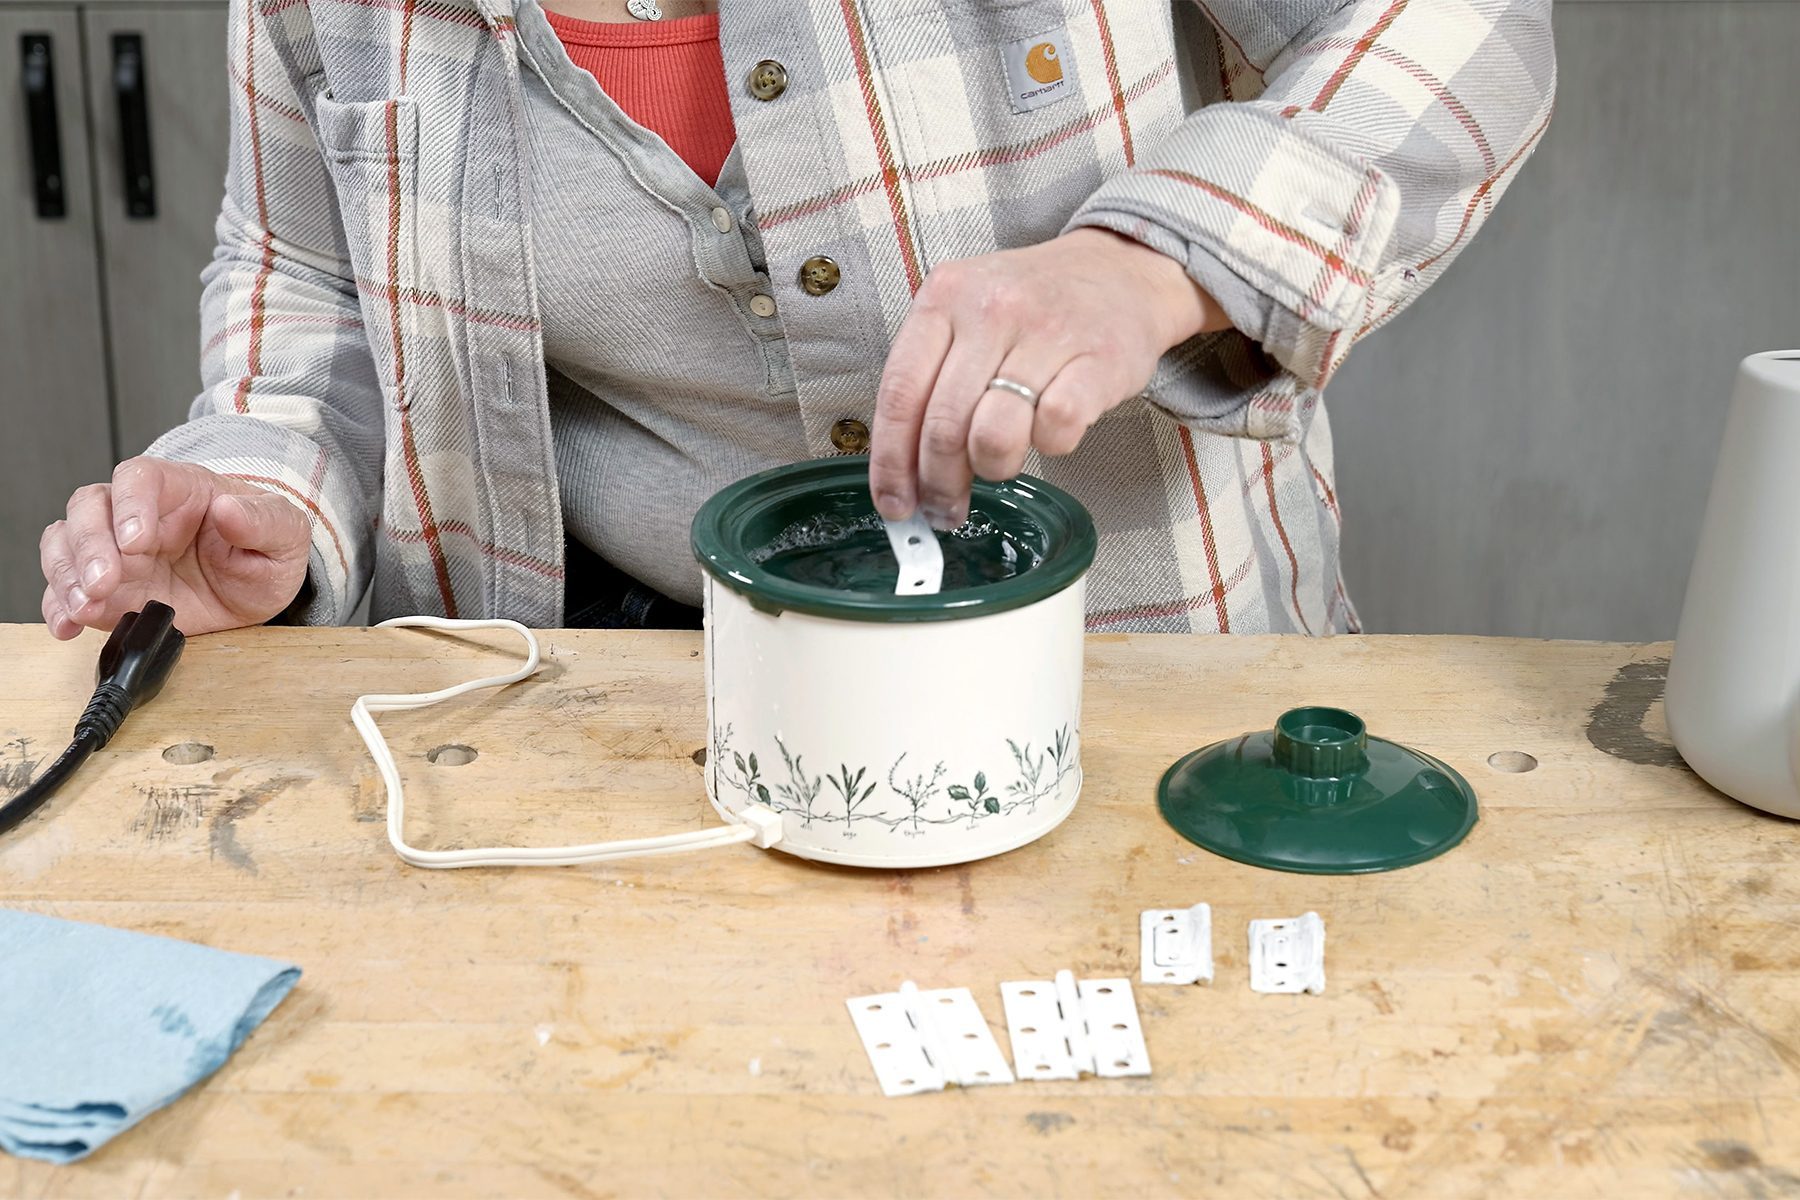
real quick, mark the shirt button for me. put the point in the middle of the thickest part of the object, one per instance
(850, 435)
(721, 220)
(768, 79)
(762, 306)
(818, 275)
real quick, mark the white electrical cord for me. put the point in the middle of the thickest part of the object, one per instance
(759, 825)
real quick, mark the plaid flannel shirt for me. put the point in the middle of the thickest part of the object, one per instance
(371, 338)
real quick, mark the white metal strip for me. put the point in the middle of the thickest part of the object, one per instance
(1117, 1037)
(1287, 955)
(920, 556)
(1176, 945)
(1035, 1025)
(895, 1047)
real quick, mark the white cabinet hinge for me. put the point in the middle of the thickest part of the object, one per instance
(1062, 1030)
(919, 1041)
(1176, 944)
(1287, 954)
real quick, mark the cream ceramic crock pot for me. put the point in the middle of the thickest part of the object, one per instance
(890, 730)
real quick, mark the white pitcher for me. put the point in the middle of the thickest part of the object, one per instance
(1734, 685)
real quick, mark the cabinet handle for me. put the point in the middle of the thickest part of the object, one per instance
(39, 76)
(134, 124)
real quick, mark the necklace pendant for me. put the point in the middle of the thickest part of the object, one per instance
(643, 10)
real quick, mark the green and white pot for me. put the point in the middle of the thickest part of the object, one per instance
(892, 731)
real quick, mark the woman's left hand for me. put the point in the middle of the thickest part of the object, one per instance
(1080, 320)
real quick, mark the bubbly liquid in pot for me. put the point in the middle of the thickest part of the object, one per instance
(854, 555)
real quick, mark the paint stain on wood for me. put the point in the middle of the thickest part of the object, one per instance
(1384, 1003)
(1729, 1156)
(965, 884)
(1616, 723)
(19, 768)
(223, 828)
(368, 803)
(169, 811)
(1047, 1123)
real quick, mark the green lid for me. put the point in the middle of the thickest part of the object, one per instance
(807, 538)
(1318, 795)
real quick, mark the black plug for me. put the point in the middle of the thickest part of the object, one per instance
(134, 664)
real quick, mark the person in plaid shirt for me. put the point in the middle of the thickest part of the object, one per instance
(502, 294)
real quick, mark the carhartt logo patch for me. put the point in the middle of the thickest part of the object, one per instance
(1038, 70)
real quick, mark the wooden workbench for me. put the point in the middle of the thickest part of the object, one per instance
(1597, 994)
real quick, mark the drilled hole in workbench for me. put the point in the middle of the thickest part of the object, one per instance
(1513, 762)
(186, 754)
(452, 755)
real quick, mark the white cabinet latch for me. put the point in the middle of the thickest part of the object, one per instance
(919, 1041)
(1176, 945)
(1062, 1030)
(1287, 954)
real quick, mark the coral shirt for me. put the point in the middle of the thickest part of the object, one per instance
(668, 76)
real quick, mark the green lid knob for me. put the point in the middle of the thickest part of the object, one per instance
(1321, 743)
(1317, 794)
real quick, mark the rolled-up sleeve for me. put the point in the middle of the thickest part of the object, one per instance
(1357, 148)
(291, 401)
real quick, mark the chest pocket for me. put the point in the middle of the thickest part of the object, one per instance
(371, 152)
(1003, 111)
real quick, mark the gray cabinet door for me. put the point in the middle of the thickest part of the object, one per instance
(53, 411)
(152, 263)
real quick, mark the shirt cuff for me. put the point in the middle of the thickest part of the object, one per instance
(1289, 227)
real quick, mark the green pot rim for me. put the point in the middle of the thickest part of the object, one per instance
(718, 545)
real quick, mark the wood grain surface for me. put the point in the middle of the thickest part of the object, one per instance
(1596, 994)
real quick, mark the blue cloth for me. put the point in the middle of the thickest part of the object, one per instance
(99, 1027)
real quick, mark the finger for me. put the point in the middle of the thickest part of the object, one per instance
(1000, 433)
(158, 504)
(92, 546)
(57, 559)
(61, 628)
(944, 469)
(1072, 402)
(906, 382)
(263, 522)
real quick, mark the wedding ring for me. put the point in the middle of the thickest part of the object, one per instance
(999, 384)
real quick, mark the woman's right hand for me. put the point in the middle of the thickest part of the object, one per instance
(221, 552)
